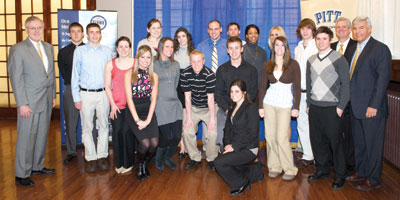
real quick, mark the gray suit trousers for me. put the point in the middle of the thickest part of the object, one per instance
(31, 142)
(71, 115)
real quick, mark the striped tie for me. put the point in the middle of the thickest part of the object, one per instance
(353, 64)
(214, 64)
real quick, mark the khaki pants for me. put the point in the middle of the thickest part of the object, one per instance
(279, 153)
(189, 135)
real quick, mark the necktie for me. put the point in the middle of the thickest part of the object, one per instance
(214, 64)
(39, 51)
(353, 64)
(341, 49)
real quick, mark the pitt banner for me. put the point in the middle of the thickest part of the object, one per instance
(325, 12)
(108, 24)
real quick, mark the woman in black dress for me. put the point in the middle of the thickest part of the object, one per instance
(141, 88)
(241, 138)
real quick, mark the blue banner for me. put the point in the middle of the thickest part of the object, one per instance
(108, 23)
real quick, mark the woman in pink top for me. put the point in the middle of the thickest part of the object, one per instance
(122, 137)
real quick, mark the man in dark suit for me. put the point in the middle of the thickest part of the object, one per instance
(31, 71)
(346, 46)
(370, 74)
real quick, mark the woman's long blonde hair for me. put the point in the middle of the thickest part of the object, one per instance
(141, 51)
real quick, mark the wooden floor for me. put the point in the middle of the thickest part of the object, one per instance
(72, 182)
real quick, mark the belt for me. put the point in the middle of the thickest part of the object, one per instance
(93, 90)
(303, 91)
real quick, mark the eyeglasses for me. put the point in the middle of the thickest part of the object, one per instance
(36, 28)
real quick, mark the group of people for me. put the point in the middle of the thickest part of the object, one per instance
(156, 101)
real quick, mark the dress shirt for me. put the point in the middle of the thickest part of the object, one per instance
(65, 58)
(45, 60)
(362, 45)
(207, 47)
(344, 45)
(88, 68)
(301, 55)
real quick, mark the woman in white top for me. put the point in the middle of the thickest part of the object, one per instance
(154, 30)
(283, 74)
(183, 47)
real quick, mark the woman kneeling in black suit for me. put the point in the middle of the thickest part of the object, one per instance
(241, 139)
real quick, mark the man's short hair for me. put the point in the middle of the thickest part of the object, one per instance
(216, 21)
(75, 24)
(325, 29)
(233, 24)
(234, 39)
(359, 19)
(306, 22)
(91, 25)
(347, 20)
(32, 18)
(196, 52)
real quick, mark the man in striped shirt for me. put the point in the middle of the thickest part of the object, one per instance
(198, 83)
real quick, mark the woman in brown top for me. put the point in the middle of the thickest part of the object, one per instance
(277, 104)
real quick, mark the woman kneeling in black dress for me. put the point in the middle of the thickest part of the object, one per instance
(241, 139)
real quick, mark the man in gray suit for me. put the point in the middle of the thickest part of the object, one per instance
(31, 71)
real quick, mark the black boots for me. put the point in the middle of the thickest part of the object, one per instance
(143, 159)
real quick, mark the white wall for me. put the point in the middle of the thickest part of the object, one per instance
(125, 14)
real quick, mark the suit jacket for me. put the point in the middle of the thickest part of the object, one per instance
(31, 84)
(370, 79)
(350, 49)
(243, 133)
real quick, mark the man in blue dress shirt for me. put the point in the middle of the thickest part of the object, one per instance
(89, 95)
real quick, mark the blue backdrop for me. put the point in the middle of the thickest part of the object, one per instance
(195, 15)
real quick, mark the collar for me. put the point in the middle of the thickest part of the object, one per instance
(211, 42)
(309, 43)
(89, 46)
(362, 45)
(345, 42)
(35, 43)
(241, 63)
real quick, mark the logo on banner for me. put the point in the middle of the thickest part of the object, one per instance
(327, 16)
(100, 20)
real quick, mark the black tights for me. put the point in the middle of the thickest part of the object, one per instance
(148, 145)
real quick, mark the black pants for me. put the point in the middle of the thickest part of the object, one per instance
(326, 139)
(170, 134)
(348, 143)
(123, 141)
(369, 137)
(234, 169)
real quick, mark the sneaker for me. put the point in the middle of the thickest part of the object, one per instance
(192, 164)
(288, 177)
(118, 170)
(304, 163)
(125, 170)
(211, 166)
(273, 174)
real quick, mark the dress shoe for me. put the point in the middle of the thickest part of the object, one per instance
(192, 164)
(91, 167)
(240, 190)
(27, 182)
(366, 186)
(318, 175)
(125, 170)
(304, 163)
(338, 183)
(273, 174)
(43, 171)
(69, 159)
(211, 166)
(103, 164)
(355, 178)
